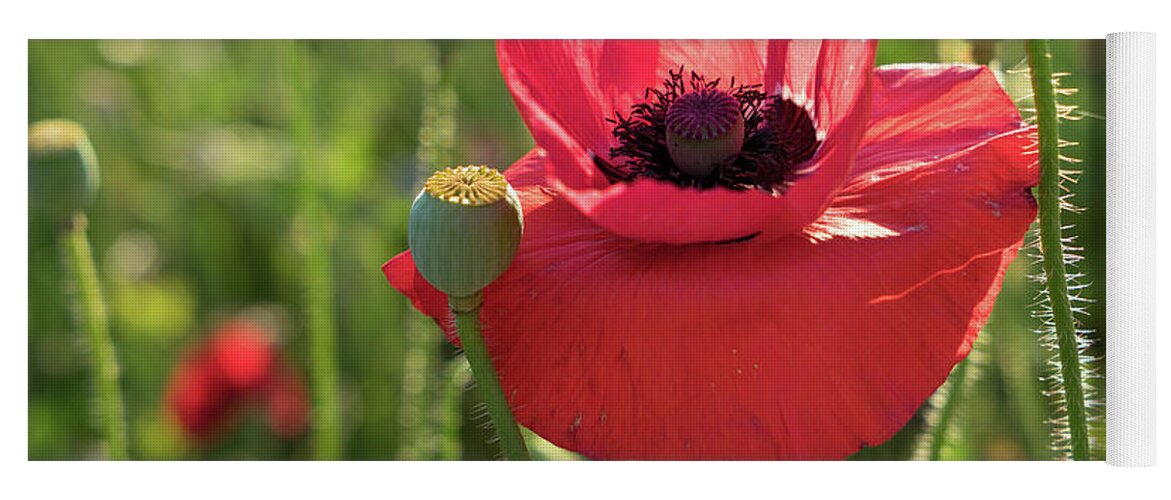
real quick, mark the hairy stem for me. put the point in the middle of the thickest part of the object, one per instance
(1052, 249)
(511, 441)
(103, 357)
(317, 267)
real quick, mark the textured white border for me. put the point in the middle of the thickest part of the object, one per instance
(1130, 249)
(485, 481)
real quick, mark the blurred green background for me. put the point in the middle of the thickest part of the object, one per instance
(194, 225)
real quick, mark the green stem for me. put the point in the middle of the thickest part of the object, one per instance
(420, 435)
(955, 393)
(1015, 357)
(322, 335)
(428, 404)
(511, 441)
(92, 315)
(1052, 248)
(454, 377)
(317, 268)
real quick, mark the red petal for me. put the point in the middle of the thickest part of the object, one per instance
(807, 347)
(570, 87)
(723, 59)
(829, 74)
(924, 111)
(405, 277)
(550, 91)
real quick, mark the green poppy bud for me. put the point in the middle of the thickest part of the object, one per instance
(62, 168)
(465, 229)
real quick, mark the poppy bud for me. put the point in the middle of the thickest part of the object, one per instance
(63, 168)
(704, 128)
(465, 229)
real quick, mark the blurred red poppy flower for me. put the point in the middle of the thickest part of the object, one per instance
(243, 354)
(199, 399)
(799, 299)
(286, 403)
(238, 367)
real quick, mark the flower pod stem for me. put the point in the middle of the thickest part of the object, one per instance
(955, 394)
(467, 321)
(316, 244)
(1049, 194)
(103, 357)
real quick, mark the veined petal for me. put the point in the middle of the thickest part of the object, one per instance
(920, 112)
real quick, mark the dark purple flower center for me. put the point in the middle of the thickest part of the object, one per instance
(704, 114)
(704, 128)
(693, 133)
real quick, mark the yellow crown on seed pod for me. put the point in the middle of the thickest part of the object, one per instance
(465, 229)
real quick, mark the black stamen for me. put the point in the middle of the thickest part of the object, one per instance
(613, 173)
(778, 135)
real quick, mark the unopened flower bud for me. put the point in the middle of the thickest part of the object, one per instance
(63, 168)
(465, 229)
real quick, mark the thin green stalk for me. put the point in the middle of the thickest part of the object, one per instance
(455, 378)
(428, 389)
(103, 356)
(955, 393)
(1015, 358)
(1052, 248)
(511, 441)
(420, 384)
(327, 440)
(317, 268)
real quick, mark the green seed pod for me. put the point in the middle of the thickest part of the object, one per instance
(704, 128)
(62, 168)
(465, 229)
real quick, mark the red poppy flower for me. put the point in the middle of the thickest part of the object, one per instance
(236, 368)
(801, 302)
